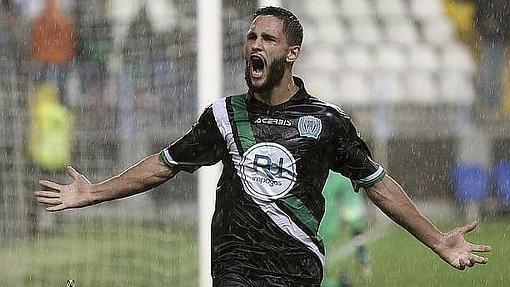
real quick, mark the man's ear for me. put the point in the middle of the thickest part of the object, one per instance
(293, 54)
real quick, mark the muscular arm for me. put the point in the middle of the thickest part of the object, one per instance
(146, 174)
(451, 247)
(394, 202)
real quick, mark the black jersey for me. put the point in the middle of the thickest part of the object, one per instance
(275, 163)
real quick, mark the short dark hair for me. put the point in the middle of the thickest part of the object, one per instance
(291, 26)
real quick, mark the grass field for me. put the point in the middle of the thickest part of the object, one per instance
(400, 260)
(125, 254)
(154, 255)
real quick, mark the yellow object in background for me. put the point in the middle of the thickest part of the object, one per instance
(50, 130)
(462, 13)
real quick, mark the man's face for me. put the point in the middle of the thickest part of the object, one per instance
(265, 53)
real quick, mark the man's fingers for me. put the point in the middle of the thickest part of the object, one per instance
(72, 172)
(466, 262)
(45, 200)
(461, 265)
(59, 207)
(49, 194)
(479, 259)
(468, 228)
(456, 264)
(50, 184)
(471, 262)
(481, 248)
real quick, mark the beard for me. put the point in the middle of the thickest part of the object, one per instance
(275, 72)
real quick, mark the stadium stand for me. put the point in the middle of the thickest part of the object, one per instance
(390, 9)
(412, 43)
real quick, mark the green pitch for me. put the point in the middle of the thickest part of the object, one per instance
(146, 254)
(122, 254)
(400, 260)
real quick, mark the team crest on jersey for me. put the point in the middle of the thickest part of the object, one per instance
(309, 126)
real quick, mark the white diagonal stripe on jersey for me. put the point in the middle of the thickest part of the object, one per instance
(221, 116)
(283, 221)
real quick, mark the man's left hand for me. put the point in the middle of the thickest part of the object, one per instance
(455, 250)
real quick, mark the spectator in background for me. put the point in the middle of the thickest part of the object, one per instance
(29, 9)
(95, 45)
(161, 66)
(146, 68)
(492, 22)
(134, 77)
(461, 14)
(10, 44)
(235, 23)
(53, 47)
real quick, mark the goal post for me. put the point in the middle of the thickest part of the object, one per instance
(210, 73)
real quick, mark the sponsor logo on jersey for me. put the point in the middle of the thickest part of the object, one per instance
(309, 126)
(268, 171)
(271, 121)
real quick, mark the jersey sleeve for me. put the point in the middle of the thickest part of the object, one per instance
(201, 145)
(352, 157)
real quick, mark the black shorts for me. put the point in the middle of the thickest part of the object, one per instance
(233, 279)
(253, 269)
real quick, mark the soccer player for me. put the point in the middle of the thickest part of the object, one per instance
(345, 212)
(277, 144)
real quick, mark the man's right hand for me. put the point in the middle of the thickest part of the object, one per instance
(74, 195)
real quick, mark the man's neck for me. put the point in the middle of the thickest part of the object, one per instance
(280, 93)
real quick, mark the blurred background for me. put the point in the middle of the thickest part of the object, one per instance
(99, 84)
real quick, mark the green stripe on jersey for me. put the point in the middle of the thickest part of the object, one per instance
(299, 209)
(244, 130)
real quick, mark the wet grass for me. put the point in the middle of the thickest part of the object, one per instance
(145, 254)
(127, 254)
(400, 260)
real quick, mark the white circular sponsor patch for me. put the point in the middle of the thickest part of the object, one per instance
(268, 171)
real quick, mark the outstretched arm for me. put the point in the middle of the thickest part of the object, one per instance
(146, 174)
(451, 247)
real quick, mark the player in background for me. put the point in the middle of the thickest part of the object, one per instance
(345, 213)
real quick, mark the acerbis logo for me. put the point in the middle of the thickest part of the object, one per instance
(268, 171)
(271, 121)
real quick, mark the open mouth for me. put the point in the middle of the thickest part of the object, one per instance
(257, 66)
